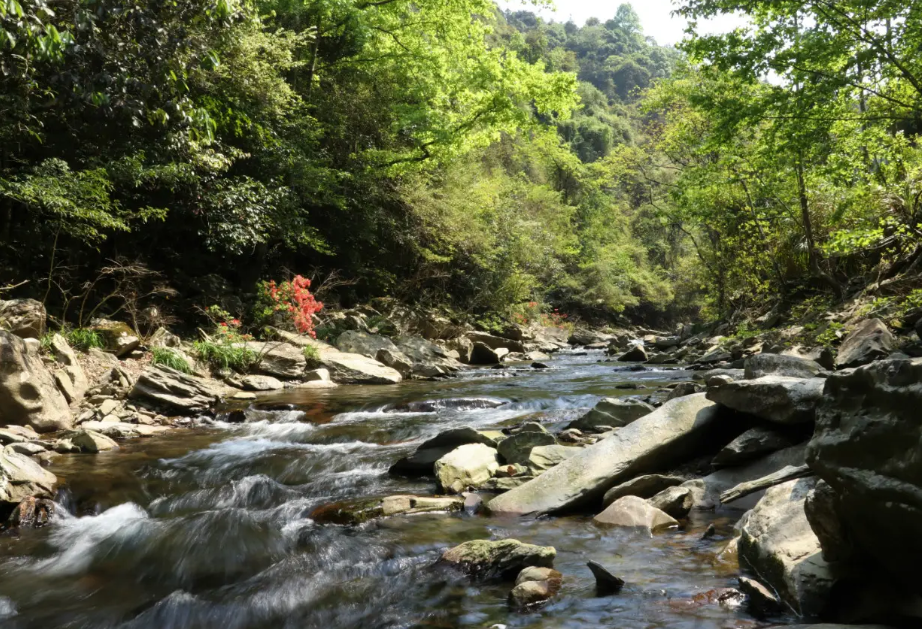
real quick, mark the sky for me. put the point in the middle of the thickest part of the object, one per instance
(654, 14)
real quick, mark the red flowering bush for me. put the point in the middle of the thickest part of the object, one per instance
(293, 299)
(531, 312)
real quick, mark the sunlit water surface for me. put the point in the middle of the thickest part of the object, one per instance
(210, 527)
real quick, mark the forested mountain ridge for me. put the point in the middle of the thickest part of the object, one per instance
(407, 148)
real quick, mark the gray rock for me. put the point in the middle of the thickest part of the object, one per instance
(583, 336)
(174, 391)
(778, 545)
(261, 383)
(23, 317)
(635, 513)
(733, 374)
(645, 486)
(426, 356)
(485, 559)
(164, 338)
(91, 442)
(28, 392)
(422, 461)
(665, 438)
(118, 337)
(67, 358)
(517, 448)
(761, 601)
(466, 466)
(780, 365)
(356, 342)
(822, 510)
(869, 341)
(776, 399)
(282, 360)
(605, 582)
(496, 342)
(752, 444)
(22, 478)
(348, 368)
(866, 447)
(482, 354)
(28, 448)
(683, 389)
(612, 412)
(636, 354)
(543, 458)
(674, 501)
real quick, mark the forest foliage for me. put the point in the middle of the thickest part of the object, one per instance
(445, 152)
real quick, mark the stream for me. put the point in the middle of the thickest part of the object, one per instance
(209, 527)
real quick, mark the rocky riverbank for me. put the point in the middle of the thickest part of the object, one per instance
(816, 458)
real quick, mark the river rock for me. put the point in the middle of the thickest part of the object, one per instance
(425, 355)
(543, 458)
(752, 444)
(534, 586)
(469, 465)
(674, 501)
(348, 368)
(636, 354)
(117, 337)
(613, 412)
(91, 442)
(517, 448)
(776, 399)
(481, 354)
(485, 559)
(635, 513)
(684, 388)
(866, 447)
(70, 366)
(422, 461)
(583, 337)
(761, 601)
(28, 448)
(28, 392)
(779, 365)
(176, 392)
(605, 582)
(667, 437)
(645, 486)
(779, 547)
(869, 341)
(353, 512)
(496, 342)
(23, 317)
(282, 360)
(822, 509)
(706, 491)
(261, 383)
(22, 478)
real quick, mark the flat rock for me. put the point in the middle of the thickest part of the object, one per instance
(262, 383)
(752, 444)
(348, 368)
(282, 360)
(543, 458)
(777, 399)
(91, 442)
(174, 391)
(665, 438)
(613, 412)
(645, 486)
(486, 559)
(22, 478)
(780, 365)
(635, 513)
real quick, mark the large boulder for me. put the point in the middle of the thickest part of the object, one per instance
(117, 337)
(29, 395)
(422, 461)
(282, 360)
(543, 458)
(866, 447)
(778, 399)
(349, 368)
(635, 513)
(777, 545)
(752, 444)
(780, 365)
(356, 342)
(426, 355)
(636, 354)
(23, 317)
(517, 448)
(584, 336)
(485, 559)
(869, 341)
(22, 478)
(65, 356)
(483, 354)
(466, 466)
(669, 436)
(496, 342)
(614, 412)
(175, 392)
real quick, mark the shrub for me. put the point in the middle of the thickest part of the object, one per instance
(170, 358)
(84, 339)
(312, 355)
(292, 298)
(226, 356)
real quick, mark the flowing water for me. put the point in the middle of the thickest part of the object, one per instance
(209, 527)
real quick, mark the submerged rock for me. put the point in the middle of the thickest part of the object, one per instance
(667, 437)
(605, 582)
(503, 559)
(635, 513)
(776, 399)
